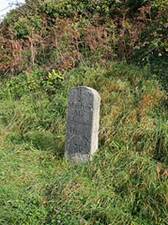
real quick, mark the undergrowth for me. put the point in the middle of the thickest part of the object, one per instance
(125, 183)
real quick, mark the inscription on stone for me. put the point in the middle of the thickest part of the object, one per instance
(82, 124)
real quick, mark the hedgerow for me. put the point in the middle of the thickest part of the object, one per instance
(134, 31)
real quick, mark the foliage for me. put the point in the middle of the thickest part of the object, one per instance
(92, 31)
(153, 46)
(69, 8)
(54, 80)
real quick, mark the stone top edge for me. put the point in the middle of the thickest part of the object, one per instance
(92, 90)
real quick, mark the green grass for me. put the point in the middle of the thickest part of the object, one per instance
(125, 184)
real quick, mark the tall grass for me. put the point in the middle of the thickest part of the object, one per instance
(126, 183)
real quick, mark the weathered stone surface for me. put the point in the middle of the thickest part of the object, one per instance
(82, 124)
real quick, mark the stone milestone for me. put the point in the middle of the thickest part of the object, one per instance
(82, 124)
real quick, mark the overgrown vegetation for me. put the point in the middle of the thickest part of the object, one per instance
(59, 34)
(126, 183)
(120, 48)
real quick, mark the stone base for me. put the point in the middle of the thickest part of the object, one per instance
(78, 157)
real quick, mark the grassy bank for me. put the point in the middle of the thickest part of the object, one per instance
(126, 183)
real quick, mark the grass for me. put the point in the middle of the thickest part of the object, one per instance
(126, 183)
